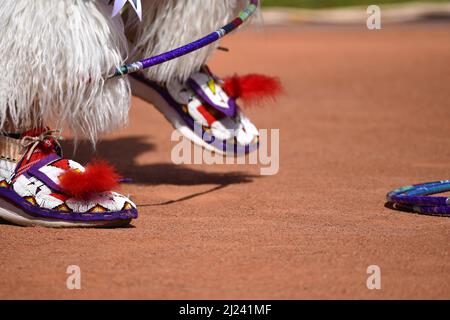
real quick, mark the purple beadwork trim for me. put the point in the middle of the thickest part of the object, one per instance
(18, 201)
(207, 137)
(232, 107)
(35, 172)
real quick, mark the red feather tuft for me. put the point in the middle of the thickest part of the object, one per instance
(99, 176)
(252, 88)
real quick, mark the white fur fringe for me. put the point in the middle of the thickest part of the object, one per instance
(53, 56)
(55, 53)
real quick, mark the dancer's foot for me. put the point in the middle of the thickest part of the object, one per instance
(39, 187)
(202, 111)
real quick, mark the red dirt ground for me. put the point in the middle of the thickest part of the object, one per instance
(364, 112)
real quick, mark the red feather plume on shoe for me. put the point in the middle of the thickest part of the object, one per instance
(252, 88)
(99, 176)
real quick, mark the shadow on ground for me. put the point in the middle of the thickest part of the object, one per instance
(123, 152)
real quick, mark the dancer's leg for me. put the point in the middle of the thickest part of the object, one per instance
(53, 57)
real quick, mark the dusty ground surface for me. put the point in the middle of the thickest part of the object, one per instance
(364, 112)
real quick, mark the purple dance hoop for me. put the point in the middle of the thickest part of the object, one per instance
(416, 198)
(191, 47)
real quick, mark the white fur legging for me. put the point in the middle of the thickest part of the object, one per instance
(55, 53)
